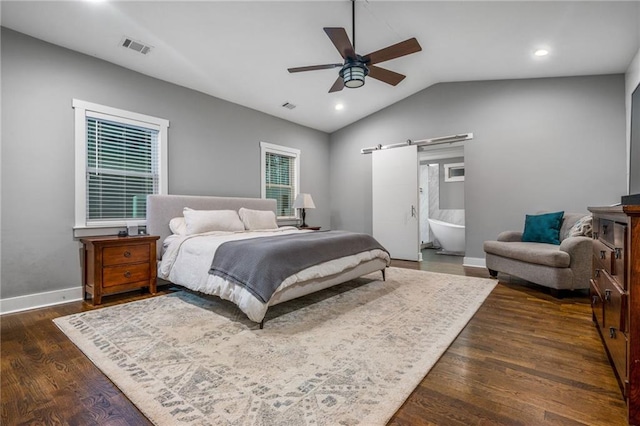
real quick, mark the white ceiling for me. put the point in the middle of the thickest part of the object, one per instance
(240, 51)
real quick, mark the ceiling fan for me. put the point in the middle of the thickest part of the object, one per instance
(355, 67)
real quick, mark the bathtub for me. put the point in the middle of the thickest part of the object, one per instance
(449, 235)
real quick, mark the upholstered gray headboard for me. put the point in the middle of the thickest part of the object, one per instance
(162, 208)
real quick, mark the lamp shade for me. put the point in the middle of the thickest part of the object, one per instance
(304, 201)
(353, 76)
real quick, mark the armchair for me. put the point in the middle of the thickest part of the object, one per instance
(559, 267)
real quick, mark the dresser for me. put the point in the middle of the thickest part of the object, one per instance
(615, 295)
(115, 264)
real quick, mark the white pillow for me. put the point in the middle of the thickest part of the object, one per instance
(199, 221)
(258, 219)
(178, 226)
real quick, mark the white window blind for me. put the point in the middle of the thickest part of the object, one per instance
(280, 180)
(121, 157)
(280, 176)
(122, 169)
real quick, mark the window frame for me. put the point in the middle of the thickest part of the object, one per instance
(84, 109)
(266, 147)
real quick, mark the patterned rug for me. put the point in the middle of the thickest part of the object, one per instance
(350, 355)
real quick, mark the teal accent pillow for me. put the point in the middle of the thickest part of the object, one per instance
(543, 228)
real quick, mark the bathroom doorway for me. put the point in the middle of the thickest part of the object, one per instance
(441, 198)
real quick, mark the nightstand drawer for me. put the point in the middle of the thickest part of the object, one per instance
(118, 255)
(118, 275)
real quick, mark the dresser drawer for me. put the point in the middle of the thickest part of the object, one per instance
(605, 231)
(604, 256)
(615, 322)
(130, 253)
(126, 274)
(619, 253)
(597, 305)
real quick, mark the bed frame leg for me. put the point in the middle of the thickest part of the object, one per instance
(261, 324)
(384, 276)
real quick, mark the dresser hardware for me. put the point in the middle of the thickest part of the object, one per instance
(607, 295)
(603, 254)
(604, 229)
(597, 272)
(127, 274)
(594, 300)
(612, 332)
(595, 235)
(127, 253)
(618, 253)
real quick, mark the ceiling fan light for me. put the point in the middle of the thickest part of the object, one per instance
(353, 75)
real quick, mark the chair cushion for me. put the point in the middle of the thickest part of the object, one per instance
(538, 253)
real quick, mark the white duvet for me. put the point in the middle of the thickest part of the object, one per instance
(187, 259)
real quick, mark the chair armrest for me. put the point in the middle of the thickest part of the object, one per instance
(579, 248)
(510, 236)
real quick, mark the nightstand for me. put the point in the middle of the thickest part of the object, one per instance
(310, 228)
(114, 264)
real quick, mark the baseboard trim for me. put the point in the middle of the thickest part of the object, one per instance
(474, 262)
(39, 300)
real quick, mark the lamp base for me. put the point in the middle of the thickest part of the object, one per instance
(304, 214)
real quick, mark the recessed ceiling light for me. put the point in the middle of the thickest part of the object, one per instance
(339, 107)
(541, 52)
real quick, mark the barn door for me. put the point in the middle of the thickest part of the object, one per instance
(395, 201)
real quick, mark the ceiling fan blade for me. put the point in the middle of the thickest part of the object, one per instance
(397, 50)
(341, 41)
(389, 77)
(337, 86)
(314, 67)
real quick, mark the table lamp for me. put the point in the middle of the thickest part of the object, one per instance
(303, 201)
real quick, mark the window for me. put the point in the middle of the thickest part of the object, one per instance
(280, 173)
(120, 159)
(454, 172)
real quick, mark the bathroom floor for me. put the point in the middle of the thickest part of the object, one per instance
(446, 264)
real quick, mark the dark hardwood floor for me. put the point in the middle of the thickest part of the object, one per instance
(524, 359)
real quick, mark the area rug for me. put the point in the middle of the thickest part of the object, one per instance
(349, 355)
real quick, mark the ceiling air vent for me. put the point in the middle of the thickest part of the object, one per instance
(288, 105)
(136, 45)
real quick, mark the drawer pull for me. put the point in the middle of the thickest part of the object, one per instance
(612, 332)
(604, 229)
(128, 254)
(594, 300)
(595, 235)
(607, 295)
(618, 253)
(597, 272)
(127, 274)
(603, 254)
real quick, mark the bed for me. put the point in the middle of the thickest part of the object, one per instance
(186, 258)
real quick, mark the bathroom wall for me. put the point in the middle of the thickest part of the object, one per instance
(439, 199)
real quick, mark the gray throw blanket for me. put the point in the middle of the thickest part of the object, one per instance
(262, 264)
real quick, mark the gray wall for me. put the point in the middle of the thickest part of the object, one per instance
(451, 193)
(539, 144)
(213, 150)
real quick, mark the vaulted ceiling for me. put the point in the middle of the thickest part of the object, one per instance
(240, 50)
